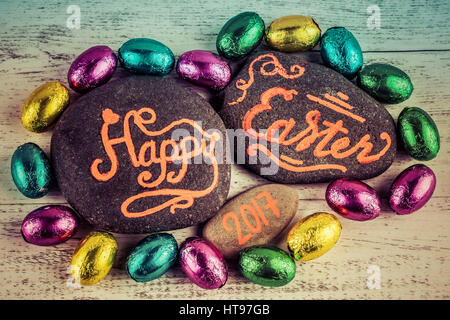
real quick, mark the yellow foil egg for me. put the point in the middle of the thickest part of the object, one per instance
(293, 33)
(313, 236)
(44, 106)
(93, 258)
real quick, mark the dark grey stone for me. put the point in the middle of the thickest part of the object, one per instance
(297, 97)
(77, 143)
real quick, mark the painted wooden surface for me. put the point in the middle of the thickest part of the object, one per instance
(412, 252)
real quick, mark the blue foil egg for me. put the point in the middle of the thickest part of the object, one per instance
(31, 171)
(341, 51)
(152, 257)
(146, 56)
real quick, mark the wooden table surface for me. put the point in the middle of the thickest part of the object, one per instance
(411, 253)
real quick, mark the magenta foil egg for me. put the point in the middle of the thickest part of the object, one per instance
(92, 68)
(49, 225)
(204, 68)
(203, 263)
(412, 189)
(353, 199)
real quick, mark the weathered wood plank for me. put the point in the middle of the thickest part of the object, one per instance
(37, 29)
(411, 252)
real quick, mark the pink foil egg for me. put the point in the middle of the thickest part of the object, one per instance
(92, 68)
(203, 263)
(353, 199)
(49, 225)
(204, 68)
(412, 189)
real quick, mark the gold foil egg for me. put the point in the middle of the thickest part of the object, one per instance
(293, 33)
(313, 236)
(93, 258)
(44, 106)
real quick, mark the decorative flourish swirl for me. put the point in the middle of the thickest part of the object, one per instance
(296, 72)
(290, 164)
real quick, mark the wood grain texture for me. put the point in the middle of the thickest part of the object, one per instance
(412, 252)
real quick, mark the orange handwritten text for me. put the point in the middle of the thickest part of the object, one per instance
(169, 151)
(324, 141)
(255, 211)
(307, 137)
(296, 70)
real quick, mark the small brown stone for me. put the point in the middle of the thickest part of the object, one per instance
(252, 218)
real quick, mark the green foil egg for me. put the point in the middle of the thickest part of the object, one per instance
(152, 257)
(146, 56)
(31, 171)
(267, 266)
(240, 35)
(418, 134)
(341, 51)
(385, 83)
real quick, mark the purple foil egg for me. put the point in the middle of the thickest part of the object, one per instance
(412, 189)
(203, 263)
(49, 225)
(92, 68)
(204, 68)
(353, 199)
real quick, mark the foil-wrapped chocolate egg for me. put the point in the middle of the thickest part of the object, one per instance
(204, 68)
(31, 170)
(412, 189)
(267, 266)
(418, 134)
(92, 68)
(240, 35)
(152, 257)
(49, 225)
(146, 56)
(93, 257)
(293, 33)
(341, 51)
(385, 83)
(353, 199)
(44, 106)
(203, 263)
(313, 236)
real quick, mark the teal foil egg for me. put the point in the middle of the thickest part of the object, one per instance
(385, 83)
(240, 35)
(267, 265)
(418, 134)
(152, 257)
(341, 51)
(146, 56)
(31, 171)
